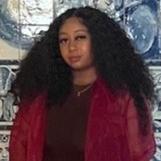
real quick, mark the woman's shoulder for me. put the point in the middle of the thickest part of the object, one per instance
(31, 107)
(117, 101)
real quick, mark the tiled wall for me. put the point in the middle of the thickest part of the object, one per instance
(22, 20)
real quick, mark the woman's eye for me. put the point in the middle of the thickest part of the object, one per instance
(63, 40)
(80, 37)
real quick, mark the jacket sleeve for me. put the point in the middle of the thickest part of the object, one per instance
(141, 147)
(18, 138)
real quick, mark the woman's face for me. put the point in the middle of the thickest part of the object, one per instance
(75, 44)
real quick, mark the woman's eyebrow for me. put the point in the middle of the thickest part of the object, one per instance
(80, 30)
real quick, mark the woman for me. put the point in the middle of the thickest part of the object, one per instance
(84, 94)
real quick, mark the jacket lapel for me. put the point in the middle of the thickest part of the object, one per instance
(106, 139)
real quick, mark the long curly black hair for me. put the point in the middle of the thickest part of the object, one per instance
(114, 57)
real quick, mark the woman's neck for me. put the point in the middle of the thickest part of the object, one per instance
(84, 77)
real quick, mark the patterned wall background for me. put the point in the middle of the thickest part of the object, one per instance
(22, 21)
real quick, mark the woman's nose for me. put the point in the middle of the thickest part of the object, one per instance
(72, 45)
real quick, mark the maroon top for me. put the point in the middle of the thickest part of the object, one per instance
(66, 128)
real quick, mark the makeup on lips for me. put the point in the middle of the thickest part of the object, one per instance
(74, 59)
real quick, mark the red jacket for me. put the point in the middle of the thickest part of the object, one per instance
(112, 135)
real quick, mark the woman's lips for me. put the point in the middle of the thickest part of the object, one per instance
(74, 59)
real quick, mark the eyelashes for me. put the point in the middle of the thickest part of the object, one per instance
(77, 38)
(63, 40)
(80, 37)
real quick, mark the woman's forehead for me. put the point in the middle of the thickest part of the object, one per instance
(73, 23)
